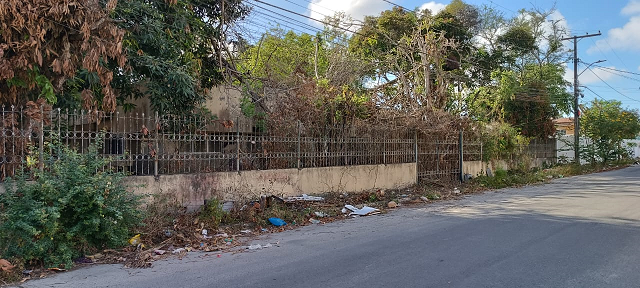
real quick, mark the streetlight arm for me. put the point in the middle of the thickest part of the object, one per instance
(585, 69)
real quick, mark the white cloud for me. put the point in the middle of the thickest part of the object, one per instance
(559, 19)
(433, 7)
(632, 8)
(626, 37)
(355, 8)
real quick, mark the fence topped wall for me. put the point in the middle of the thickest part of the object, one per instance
(159, 145)
(164, 145)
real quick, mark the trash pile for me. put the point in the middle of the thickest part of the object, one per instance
(229, 226)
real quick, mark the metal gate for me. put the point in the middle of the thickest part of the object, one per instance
(438, 156)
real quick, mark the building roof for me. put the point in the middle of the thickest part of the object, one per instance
(563, 121)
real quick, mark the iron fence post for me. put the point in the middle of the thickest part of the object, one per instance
(41, 148)
(238, 144)
(384, 151)
(298, 146)
(460, 144)
(437, 158)
(156, 148)
(415, 149)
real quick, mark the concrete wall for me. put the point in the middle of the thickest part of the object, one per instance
(224, 102)
(565, 148)
(475, 168)
(192, 189)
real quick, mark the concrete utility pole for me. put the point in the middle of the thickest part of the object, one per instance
(576, 94)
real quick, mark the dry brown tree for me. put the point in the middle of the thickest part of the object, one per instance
(45, 42)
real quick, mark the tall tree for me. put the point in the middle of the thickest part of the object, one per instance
(44, 43)
(415, 56)
(607, 123)
(304, 77)
(527, 88)
(177, 49)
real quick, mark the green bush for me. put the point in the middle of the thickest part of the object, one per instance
(212, 214)
(72, 207)
(504, 178)
(501, 141)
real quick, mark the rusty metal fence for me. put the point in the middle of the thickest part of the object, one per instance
(535, 149)
(142, 144)
(438, 156)
(155, 145)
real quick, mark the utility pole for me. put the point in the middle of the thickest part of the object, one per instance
(576, 94)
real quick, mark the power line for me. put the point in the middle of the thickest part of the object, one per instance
(265, 25)
(612, 88)
(267, 20)
(398, 5)
(618, 74)
(614, 53)
(274, 20)
(445, 23)
(632, 89)
(594, 92)
(494, 3)
(458, 62)
(617, 70)
(307, 8)
(286, 17)
(308, 17)
(295, 13)
(323, 7)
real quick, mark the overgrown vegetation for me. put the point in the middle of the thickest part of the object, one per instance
(503, 178)
(73, 207)
(501, 141)
(607, 124)
(520, 177)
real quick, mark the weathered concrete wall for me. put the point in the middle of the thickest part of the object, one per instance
(475, 168)
(192, 189)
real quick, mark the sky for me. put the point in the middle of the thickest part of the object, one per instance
(617, 20)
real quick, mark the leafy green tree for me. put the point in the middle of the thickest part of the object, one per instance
(526, 86)
(416, 56)
(280, 54)
(606, 123)
(312, 78)
(177, 50)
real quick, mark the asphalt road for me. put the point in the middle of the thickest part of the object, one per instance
(575, 232)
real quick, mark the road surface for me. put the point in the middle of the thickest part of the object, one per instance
(575, 232)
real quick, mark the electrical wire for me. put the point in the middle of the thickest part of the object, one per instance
(618, 74)
(594, 92)
(286, 17)
(318, 5)
(307, 8)
(614, 53)
(617, 70)
(308, 17)
(612, 88)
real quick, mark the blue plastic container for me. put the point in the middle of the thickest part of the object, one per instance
(277, 222)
